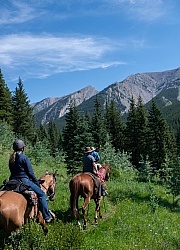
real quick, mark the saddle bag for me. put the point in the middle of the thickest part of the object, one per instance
(14, 185)
(19, 187)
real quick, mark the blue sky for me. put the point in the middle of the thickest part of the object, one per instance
(58, 47)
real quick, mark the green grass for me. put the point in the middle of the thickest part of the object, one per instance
(135, 216)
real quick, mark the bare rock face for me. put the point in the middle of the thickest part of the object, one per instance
(51, 109)
(144, 85)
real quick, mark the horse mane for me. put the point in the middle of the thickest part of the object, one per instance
(104, 165)
(48, 173)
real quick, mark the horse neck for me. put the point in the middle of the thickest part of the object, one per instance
(103, 170)
(45, 186)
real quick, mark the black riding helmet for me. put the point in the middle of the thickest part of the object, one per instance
(18, 145)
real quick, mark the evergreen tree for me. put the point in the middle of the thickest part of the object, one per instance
(98, 126)
(69, 135)
(54, 138)
(24, 122)
(131, 133)
(158, 138)
(173, 183)
(6, 110)
(178, 140)
(115, 126)
(42, 133)
(141, 132)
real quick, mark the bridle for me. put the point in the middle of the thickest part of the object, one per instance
(50, 195)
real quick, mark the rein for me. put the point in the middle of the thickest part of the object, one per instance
(47, 189)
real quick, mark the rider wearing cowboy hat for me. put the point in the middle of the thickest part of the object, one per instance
(96, 156)
(89, 163)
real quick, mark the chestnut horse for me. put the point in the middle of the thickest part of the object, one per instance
(15, 211)
(82, 185)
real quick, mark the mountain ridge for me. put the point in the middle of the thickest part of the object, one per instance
(147, 85)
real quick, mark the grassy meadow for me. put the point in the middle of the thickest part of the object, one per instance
(136, 215)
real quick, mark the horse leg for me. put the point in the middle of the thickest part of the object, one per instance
(41, 221)
(86, 202)
(100, 214)
(97, 210)
(74, 207)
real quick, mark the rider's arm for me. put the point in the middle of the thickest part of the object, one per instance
(95, 167)
(30, 171)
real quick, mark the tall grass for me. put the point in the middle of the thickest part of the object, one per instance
(136, 215)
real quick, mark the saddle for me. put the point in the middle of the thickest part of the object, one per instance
(97, 184)
(18, 186)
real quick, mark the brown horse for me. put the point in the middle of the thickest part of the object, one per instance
(82, 185)
(15, 211)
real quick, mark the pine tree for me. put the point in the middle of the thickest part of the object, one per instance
(158, 148)
(178, 140)
(54, 138)
(6, 109)
(141, 132)
(131, 133)
(173, 183)
(24, 122)
(98, 126)
(42, 133)
(115, 126)
(69, 135)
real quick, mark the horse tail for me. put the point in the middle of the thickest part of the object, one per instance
(74, 189)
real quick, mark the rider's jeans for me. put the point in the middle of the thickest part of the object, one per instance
(43, 206)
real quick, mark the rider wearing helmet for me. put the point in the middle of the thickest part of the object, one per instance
(20, 168)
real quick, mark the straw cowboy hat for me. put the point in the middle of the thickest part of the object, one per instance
(93, 149)
(88, 150)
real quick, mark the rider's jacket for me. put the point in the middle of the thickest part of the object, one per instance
(22, 168)
(88, 163)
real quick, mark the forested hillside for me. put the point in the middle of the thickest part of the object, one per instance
(141, 210)
(81, 129)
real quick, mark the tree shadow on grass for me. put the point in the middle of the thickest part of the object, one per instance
(64, 216)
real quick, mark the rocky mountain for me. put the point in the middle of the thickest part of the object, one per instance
(51, 109)
(146, 85)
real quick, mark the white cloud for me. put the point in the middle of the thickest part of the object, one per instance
(40, 56)
(16, 12)
(142, 10)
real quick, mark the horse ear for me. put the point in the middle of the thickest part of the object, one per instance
(56, 173)
(47, 172)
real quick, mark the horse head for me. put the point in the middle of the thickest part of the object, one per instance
(105, 169)
(49, 185)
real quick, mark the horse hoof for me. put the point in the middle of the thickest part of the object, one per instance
(96, 223)
(84, 227)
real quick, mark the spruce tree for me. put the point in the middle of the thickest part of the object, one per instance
(42, 133)
(115, 126)
(98, 126)
(6, 109)
(158, 148)
(54, 138)
(131, 133)
(69, 135)
(178, 141)
(141, 132)
(24, 122)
